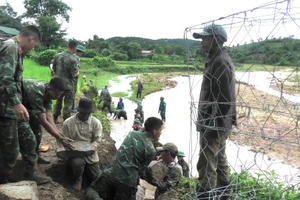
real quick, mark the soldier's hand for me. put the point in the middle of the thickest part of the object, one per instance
(66, 142)
(21, 113)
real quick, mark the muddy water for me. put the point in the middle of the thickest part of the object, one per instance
(180, 129)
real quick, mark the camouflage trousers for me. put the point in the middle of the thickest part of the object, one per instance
(212, 165)
(28, 145)
(68, 98)
(9, 145)
(75, 90)
(79, 166)
(109, 189)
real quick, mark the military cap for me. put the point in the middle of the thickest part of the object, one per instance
(171, 147)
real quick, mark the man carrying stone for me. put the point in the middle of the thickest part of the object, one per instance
(168, 154)
(11, 109)
(120, 178)
(65, 66)
(84, 127)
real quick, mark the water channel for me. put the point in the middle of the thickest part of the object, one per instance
(180, 129)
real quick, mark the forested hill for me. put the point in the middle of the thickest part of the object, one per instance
(149, 44)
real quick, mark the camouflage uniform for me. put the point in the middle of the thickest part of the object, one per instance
(162, 109)
(121, 177)
(76, 80)
(65, 66)
(107, 104)
(37, 101)
(103, 94)
(11, 69)
(171, 179)
(185, 168)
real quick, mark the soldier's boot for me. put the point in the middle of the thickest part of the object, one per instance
(42, 160)
(92, 194)
(38, 178)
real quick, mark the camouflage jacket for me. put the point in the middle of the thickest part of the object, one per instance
(35, 96)
(135, 153)
(11, 69)
(171, 179)
(77, 58)
(65, 65)
(185, 168)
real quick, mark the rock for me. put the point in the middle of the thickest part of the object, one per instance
(149, 190)
(23, 190)
(159, 169)
(140, 193)
(82, 149)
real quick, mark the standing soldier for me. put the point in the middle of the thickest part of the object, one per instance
(107, 104)
(103, 94)
(139, 90)
(65, 66)
(79, 52)
(162, 109)
(11, 108)
(183, 164)
(216, 113)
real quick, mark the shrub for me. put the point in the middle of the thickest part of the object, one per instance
(44, 58)
(105, 52)
(119, 56)
(104, 62)
(90, 53)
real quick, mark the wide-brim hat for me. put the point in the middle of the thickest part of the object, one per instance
(80, 48)
(86, 105)
(171, 147)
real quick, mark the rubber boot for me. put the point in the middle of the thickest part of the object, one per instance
(38, 178)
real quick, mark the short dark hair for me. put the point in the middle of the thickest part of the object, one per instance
(31, 31)
(72, 44)
(153, 123)
(57, 83)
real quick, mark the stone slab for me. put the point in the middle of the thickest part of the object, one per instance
(23, 190)
(159, 170)
(82, 149)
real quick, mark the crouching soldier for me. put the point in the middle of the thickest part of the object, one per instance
(120, 113)
(168, 154)
(37, 98)
(84, 127)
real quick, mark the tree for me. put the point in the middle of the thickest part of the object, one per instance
(134, 50)
(45, 13)
(9, 18)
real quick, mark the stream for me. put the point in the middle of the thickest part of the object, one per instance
(180, 129)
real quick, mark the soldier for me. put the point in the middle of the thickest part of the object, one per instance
(65, 66)
(120, 113)
(107, 104)
(140, 107)
(79, 52)
(216, 112)
(11, 109)
(183, 164)
(139, 90)
(84, 127)
(104, 93)
(162, 109)
(37, 98)
(168, 153)
(120, 178)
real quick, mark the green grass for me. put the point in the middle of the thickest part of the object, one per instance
(35, 71)
(261, 67)
(119, 94)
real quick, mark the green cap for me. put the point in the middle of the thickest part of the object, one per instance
(80, 48)
(181, 154)
(212, 29)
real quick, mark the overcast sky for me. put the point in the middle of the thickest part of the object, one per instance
(153, 19)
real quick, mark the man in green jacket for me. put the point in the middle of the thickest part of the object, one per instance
(120, 178)
(162, 109)
(11, 109)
